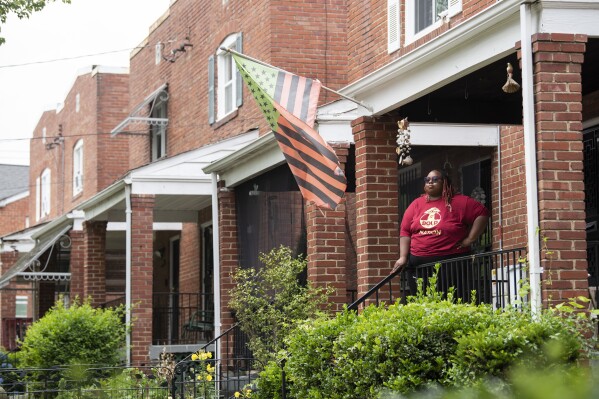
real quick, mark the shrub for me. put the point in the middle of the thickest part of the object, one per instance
(270, 301)
(79, 334)
(406, 348)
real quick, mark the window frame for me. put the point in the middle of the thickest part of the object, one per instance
(453, 7)
(158, 132)
(45, 193)
(21, 300)
(78, 167)
(226, 63)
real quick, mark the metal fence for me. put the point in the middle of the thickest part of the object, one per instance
(494, 278)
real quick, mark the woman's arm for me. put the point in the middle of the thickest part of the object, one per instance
(404, 251)
(478, 227)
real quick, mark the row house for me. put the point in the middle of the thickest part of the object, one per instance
(207, 188)
(73, 157)
(15, 314)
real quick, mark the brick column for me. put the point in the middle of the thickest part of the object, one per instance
(326, 245)
(229, 259)
(558, 106)
(142, 207)
(94, 282)
(228, 252)
(7, 298)
(377, 216)
(76, 264)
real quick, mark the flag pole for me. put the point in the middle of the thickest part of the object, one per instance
(360, 103)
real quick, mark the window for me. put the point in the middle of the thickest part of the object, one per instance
(158, 131)
(422, 16)
(78, 167)
(228, 80)
(44, 135)
(21, 306)
(77, 102)
(45, 193)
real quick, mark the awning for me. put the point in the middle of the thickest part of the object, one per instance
(45, 239)
(137, 116)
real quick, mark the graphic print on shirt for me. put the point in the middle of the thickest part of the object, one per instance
(430, 219)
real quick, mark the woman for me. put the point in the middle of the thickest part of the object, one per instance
(440, 224)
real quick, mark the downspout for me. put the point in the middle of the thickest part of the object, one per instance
(128, 268)
(530, 158)
(499, 190)
(216, 260)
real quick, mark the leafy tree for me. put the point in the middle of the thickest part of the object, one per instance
(22, 9)
(270, 301)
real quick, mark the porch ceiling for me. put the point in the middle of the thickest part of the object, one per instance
(478, 97)
(474, 98)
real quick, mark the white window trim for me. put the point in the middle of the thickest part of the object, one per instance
(45, 194)
(159, 111)
(410, 36)
(228, 43)
(38, 198)
(78, 168)
(24, 300)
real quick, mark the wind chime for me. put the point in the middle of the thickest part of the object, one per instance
(403, 143)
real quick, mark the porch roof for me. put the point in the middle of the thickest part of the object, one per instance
(264, 154)
(44, 238)
(179, 184)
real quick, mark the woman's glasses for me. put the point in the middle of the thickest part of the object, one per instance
(434, 179)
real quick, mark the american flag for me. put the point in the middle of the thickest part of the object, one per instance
(289, 103)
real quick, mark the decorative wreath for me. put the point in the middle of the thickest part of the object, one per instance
(479, 194)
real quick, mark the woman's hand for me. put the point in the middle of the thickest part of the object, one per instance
(465, 243)
(399, 264)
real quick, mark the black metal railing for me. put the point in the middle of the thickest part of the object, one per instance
(231, 366)
(492, 277)
(593, 262)
(182, 318)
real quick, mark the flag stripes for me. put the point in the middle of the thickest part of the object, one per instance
(298, 95)
(289, 104)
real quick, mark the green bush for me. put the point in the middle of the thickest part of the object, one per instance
(406, 348)
(270, 301)
(78, 334)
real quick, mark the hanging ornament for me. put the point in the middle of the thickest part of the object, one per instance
(403, 143)
(511, 86)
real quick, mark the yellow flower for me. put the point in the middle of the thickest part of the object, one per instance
(209, 354)
(208, 377)
(200, 377)
(194, 356)
(237, 394)
(209, 368)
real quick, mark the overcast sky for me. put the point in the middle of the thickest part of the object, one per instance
(61, 31)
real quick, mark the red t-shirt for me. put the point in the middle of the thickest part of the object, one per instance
(435, 230)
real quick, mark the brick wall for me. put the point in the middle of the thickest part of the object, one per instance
(229, 252)
(103, 103)
(512, 232)
(376, 199)
(141, 276)
(367, 33)
(76, 263)
(558, 108)
(284, 33)
(7, 296)
(326, 235)
(190, 258)
(94, 281)
(13, 216)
